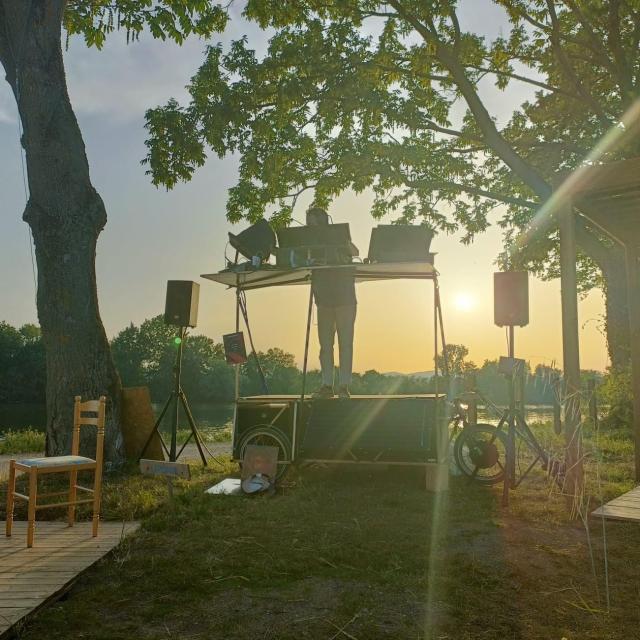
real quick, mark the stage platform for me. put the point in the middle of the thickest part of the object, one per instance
(391, 430)
(624, 507)
(293, 397)
(32, 578)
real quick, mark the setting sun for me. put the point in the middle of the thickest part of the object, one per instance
(464, 301)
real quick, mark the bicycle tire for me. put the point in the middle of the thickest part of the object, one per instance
(478, 450)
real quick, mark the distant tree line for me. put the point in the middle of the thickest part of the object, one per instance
(22, 364)
(145, 356)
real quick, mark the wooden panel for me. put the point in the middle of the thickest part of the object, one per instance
(30, 578)
(624, 507)
(165, 468)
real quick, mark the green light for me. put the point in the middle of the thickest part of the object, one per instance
(177, 340)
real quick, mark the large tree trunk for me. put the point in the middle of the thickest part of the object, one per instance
(66, 215)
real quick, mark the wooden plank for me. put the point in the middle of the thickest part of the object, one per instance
(31, 578)
(617, 513)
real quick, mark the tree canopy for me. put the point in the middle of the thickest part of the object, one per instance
(391, 96)
(165, 19)
(365, 94)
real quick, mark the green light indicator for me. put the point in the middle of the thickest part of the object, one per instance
(177, 340)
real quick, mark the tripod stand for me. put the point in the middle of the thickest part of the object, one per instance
(176, 398)
(516, 425)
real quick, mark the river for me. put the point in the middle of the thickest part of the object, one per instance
(207, 415)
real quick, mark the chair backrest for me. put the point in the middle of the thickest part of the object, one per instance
(80, 419)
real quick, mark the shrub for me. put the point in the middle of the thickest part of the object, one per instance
(24, 441)
(615, 393)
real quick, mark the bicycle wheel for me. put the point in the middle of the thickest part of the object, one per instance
(480, 453)
(266, 435)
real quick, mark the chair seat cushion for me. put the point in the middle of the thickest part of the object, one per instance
(56, 461)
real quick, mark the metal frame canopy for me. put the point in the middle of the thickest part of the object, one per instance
(270, 276)
(274, 277)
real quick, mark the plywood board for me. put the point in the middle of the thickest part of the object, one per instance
(31, 578)
(624, 507)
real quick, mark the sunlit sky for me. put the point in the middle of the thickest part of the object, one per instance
(153, 236)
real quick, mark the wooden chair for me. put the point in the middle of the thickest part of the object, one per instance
(72, 464)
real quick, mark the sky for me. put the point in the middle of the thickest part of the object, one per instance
(153, 235)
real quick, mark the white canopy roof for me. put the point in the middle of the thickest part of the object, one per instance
(269, 276)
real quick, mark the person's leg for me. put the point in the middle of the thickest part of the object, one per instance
(345, 322)
(326, 337)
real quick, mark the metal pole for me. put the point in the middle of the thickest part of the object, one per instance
(176, 394)
(435, 334)
(510, 470)
(444, 343)
(306, 344)
(237, 381)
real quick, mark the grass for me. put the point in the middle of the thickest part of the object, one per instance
(31, 440)
(23, 441)
(366, 551)
(209, 434)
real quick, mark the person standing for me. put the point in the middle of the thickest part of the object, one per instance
(334, 292)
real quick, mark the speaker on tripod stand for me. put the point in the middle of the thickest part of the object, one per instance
(511, 309)
(181, 311)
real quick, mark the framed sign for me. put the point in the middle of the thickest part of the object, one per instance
(234, 350)
(164, 468)
(260, 460)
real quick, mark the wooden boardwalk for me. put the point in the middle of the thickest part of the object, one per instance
(30, 578)
(624, 507)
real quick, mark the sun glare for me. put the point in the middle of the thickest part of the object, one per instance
(464, 301)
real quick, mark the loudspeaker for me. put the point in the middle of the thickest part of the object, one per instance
(511, 298)
(181, 306)
(400, 243)
(257, 240)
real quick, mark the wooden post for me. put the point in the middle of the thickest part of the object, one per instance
(633, 295)
(570, 349)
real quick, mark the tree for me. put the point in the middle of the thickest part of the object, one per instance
(280, 373)
(146, 355)
(456, 362)
(64, 211)
(22, 370)
(362, 94)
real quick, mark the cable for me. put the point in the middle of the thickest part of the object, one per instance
(242, 301)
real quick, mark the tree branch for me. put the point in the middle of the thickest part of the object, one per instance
(492, 136)
(517, 76)
(568, 69)
(449, 185)
(625, 78)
